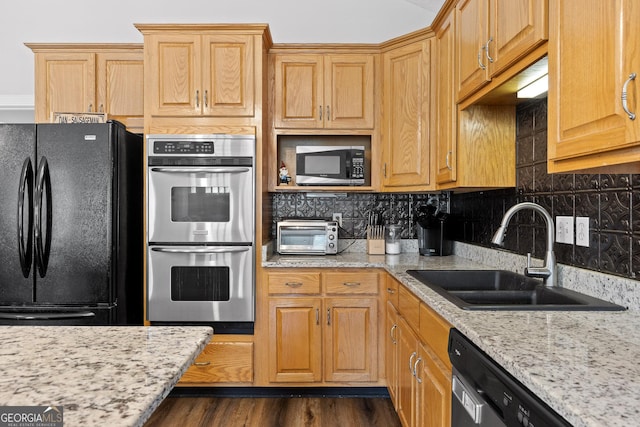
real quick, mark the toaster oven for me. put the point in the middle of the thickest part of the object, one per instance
(307, 237)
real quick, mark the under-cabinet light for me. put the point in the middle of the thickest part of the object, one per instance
(535, 88)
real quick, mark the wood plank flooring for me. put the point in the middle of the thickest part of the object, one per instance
(274, 412)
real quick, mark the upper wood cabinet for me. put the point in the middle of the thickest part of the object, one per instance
(194, 74)
(593, 52)
(334, 91)
(445, 113)
(77, 78)
(493, 34)
(407, 94)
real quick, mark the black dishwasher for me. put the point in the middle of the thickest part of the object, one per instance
(484, 394)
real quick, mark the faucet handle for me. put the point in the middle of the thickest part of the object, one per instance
(528, 260)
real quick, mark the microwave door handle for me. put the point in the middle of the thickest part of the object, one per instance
(201, 170)
(206, 250)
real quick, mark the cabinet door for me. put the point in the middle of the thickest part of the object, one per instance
(516, 27)
(351, 350)
(592, 51)
(407, 355)
(174, 73)
(446, 111)
(295, 340)
(472, 30)
(120, 84)
(228, 86)
(391, 352)
(349, 91)
(407, 92)
(433, 397)
(65, 82)
(222, 362)
(298, 94)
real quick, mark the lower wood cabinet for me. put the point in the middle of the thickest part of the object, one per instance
(227, 359)
(417, 365)
(327, 336)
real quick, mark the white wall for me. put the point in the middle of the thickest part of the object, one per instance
(290, 21)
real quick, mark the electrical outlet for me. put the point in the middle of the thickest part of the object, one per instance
(337, 216)
(582, 231)
(564, 229)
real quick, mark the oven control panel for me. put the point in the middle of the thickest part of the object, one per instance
(183, 147)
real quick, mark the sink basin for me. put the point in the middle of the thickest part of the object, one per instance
(505, 290)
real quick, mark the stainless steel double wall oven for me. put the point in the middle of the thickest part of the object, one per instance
(201, 230)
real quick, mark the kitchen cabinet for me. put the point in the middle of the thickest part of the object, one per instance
(324, 91)
(592, 55)
(407, 95)
(323, 326)
(94, 78)
(227, 359)
(445, 162)
(199, 73)
(418, 361)
(493, 34)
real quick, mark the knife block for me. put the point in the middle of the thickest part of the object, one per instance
(375, 246)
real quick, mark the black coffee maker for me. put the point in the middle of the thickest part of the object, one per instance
(432, 234)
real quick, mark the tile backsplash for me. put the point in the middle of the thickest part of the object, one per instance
(612, 203)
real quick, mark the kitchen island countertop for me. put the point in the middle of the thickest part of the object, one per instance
(583, 364)
(100, 375)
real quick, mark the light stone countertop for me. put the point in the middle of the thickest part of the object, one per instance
(100, 375)
(585, 365)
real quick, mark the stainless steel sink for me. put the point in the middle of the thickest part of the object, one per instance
(505, 290)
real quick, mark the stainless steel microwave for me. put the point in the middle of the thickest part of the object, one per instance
(307, 237)
(330, 165)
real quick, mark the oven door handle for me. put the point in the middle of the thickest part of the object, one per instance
(201, 170)
(205, 250)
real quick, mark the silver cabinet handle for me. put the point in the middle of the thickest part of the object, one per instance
(317, 316)
(390, 291)
(320, 112)
(205, 250)
(447, 160)
(480, 64)
(197, 98)
(414, 354)
(206, 99)
(200, 170)
(625, 107)
(293, 284)
(415, 370)
(329, 316)
(351, 284)
(486, 49)
(328, 113)
(90, 108)
(392, 333)
(202, 363)
(101, 108)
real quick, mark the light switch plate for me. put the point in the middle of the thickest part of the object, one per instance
(564, 229)
(582, 231)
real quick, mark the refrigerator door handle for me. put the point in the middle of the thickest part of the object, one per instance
(43, 196)
(45, 316)
(26, 185)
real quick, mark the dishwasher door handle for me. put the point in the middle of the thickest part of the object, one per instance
(468, 399)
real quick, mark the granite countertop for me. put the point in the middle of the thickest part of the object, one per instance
(100, 375)
(583, 364)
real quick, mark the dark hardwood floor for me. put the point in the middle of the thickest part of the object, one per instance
(274, 412)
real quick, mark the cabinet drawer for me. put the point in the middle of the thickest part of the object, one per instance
(409, 307)
(351, 283)
(293, 283)
(434, 330)
(222, 362)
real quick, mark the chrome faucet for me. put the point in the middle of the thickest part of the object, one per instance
(548, 270)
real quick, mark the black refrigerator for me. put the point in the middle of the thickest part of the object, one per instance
(71, 224)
